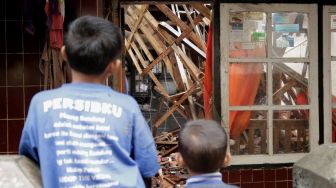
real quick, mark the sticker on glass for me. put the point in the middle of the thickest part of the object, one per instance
(287, 28)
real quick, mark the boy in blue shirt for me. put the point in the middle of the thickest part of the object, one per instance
(203, 151)
(85, 134)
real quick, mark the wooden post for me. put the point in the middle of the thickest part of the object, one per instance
(119, 78)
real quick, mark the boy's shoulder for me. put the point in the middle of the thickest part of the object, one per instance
(44, 95)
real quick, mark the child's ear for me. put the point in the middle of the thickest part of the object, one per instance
(113, 66)
(64, 55)
(179, 160)
(227, 159)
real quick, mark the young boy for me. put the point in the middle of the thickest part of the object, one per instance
(84, 134)
(202, 150)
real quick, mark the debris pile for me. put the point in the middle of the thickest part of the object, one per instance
(170, 174)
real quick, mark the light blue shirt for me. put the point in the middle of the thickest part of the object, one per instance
(87, 135)
(209, 180)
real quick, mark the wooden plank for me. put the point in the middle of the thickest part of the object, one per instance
(202, 9)
(263, 139)
(186, 41)
(288, 136)
(276, 136)
(181, 111)
(194, 27)
(191, 67)
(151, 75)
(290, 91)
(168, 152)
(166, 143)
(136, 25)
(177, 41)
(165, 10)
(250, 141)
(135, 60)
(143, 46)
(288, 86)
(182, 71)
(178, 103)
(185, 79)
(154, 39)
(292, 73)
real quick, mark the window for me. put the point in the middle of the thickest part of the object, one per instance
(269, 86)
(329, 39)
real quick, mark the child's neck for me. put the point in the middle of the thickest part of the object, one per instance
(78, 77)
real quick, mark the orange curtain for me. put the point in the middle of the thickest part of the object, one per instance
(244, 83)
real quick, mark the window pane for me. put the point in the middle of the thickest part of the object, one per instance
(248, 129)
(247, 34)
(290, 82)
(290, 131)
(247, 84)
(290, 34)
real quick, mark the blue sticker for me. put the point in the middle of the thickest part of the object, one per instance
(287, 28)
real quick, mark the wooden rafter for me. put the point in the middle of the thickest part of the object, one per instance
(165, 10)
(154, 39)
(202, 9)
(194, 26)
(168, 50)
(136, 26)
(161, 89)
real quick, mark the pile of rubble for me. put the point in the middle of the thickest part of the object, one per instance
(170, 174)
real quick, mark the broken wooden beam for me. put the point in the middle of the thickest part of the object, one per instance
(136, 26)
(279, 93)
(151, 75)
(202, 9)
(154, 39)
(185, 41)
(179, 102)
(165, 10)
(292, 73)
(194, 27)
(168, 50)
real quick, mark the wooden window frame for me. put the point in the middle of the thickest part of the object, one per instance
(327, 58)
(312, 11)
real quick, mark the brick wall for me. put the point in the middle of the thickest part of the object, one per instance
(20, 77)
(280, 177)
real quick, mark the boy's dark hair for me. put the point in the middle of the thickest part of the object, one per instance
(203, 144)
(91, 44)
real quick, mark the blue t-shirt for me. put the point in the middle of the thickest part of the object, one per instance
(87, 135)
(210, 180)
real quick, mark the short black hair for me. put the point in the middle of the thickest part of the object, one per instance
(202, 145)
(91, 43)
